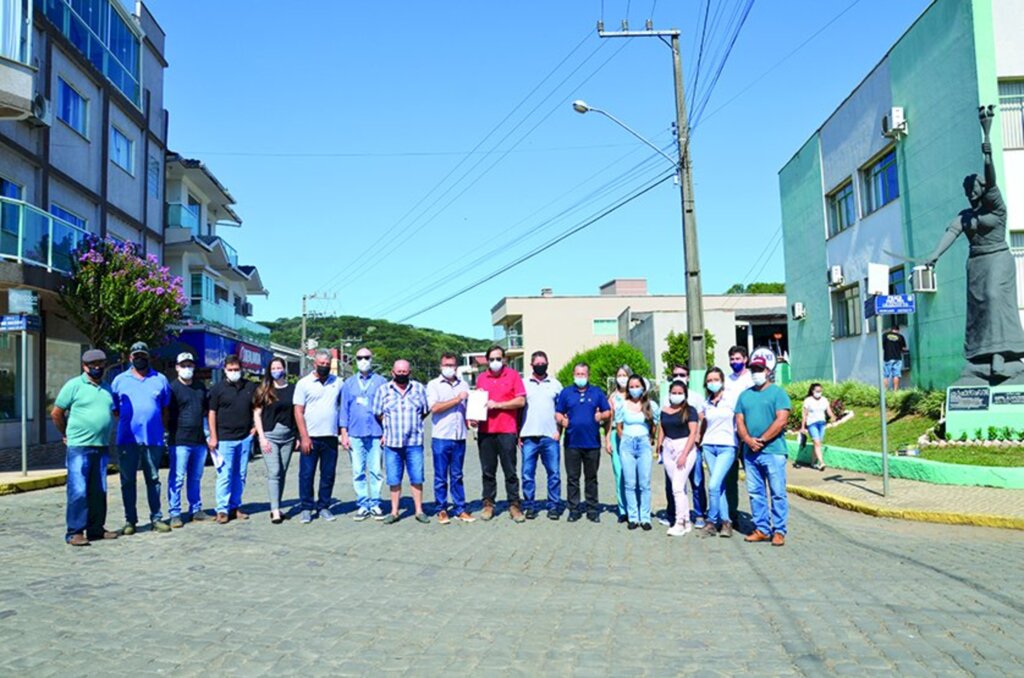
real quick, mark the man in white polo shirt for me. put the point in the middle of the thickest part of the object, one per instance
(540, 437)
(736, 382)
(316, 416)
(446, 398)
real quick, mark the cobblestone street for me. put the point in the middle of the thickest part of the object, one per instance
(847, 595)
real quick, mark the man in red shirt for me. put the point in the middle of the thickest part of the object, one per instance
(499, 433)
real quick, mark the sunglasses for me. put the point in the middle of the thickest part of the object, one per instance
(362, 357)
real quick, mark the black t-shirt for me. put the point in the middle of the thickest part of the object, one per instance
(280, 411)
(893, 345)
(674, 426)
(189, 404)
(233, 404)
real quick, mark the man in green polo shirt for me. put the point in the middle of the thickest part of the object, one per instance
(84, 413)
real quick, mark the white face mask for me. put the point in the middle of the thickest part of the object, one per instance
(363, 364)
(676, 398)
(186, 373)
(622, 381)
(234, 376)
(495, 365)
(817, 394)
(759, 378)
(447, 372)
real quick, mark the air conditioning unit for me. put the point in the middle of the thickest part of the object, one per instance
(923, 279)
(835, 276)
(247, 309)
(797, 311)
(894, 125)
(42, 113)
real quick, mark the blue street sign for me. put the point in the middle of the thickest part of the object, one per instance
(19, 323)
(889, 304)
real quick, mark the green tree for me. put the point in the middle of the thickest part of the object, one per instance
(604, 360)
(115, 297)
(678, 352)
(758, 288)
(737, 288)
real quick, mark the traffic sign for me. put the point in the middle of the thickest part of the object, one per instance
(889, 304)
(20, 323)
(22, 301)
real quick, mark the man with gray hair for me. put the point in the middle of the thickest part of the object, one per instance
(316, 415)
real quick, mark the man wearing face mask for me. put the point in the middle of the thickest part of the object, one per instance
(401, 407)
(499, 432)
(540, 436)
(761, 415)
(446, 398)
(231, 433)
(582, 410)
(317, 398)
(737, 380)
(186, 440)
(361, 433)
(83, 414)
(143, 397)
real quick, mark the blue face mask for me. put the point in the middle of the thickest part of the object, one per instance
(714, 386)
(277, 374)
(737, 367)
(580, 381)
(635, 392)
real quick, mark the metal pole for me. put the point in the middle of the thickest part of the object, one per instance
(302, 347)
(881, 406)
(694, 298)
(24, 402)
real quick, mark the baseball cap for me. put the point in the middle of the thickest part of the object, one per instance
(139, 347)
(184, 356)
(93, 355)
(757, 364)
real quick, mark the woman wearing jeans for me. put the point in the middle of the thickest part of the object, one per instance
(718, 442)
(635, 423)
(275, 425)
(617, 399)
(677, 440)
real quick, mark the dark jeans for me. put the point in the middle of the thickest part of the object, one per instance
(546, 448)
(495, 447)
(129, 458)
(732, 490)
(87, 490)
(324, 452)
(590, 461)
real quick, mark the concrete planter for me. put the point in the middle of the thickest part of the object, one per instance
(913, 468)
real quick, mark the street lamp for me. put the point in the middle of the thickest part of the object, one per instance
(694, 299)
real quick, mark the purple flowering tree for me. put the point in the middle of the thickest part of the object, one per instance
(116, 297)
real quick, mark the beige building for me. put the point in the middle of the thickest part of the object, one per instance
(561, 326)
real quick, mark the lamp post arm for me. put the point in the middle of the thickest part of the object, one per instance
(675, 163)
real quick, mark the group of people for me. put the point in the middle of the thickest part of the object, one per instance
(380, 422)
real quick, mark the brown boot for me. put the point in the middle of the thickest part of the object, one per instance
(756, 536)
(222, 519)
(78, 539)
(779, 539)
(726, 530)
(488, 512)
(516, 513)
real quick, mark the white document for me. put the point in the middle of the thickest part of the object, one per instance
(476, 406)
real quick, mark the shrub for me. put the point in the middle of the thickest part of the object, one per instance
(604, 360)
(678, 352)
(930, 405)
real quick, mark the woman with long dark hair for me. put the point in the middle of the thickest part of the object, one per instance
(677, 440)
(718, 444)
(816, 412)
(275, 426)
(636, 423)
(617, 399)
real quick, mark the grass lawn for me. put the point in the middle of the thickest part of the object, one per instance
(864, 431)
(976, 456)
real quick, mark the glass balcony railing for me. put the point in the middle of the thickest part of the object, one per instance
(222, 313)
(180, 216)
(16, 30)
(30, 235)
(511, 342)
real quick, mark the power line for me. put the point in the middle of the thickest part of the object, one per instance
(391, 154)
(733, 36)
(546, 246)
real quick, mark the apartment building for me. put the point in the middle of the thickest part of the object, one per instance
(83, 136)
(881, 179)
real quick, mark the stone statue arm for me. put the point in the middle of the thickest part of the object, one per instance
(985, 116)
(953, 231)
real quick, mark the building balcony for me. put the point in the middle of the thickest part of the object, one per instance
(512, 343)
(224, 315)
(28, 235)
(229, 252)
(179, 216)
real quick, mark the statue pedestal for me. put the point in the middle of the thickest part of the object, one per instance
(969, 408)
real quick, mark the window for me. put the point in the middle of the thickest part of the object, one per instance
(15, 30)
(68, 216)
(846, 312)
(202, 288)
(897, 285)
(1017, 241)
(841, 209)
(220, 294)
(63, 361)
(122, 150)
(605, 327)
(9, 189)
(1011, 110)
(72, 108)
(881, 183)
(153, 177)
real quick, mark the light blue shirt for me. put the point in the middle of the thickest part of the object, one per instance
(320, 400)
(633, 423)
(356, 412)
(141, 403)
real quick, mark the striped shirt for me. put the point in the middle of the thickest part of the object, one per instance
(401, 413)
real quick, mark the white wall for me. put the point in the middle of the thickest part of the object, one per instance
(1008, 24)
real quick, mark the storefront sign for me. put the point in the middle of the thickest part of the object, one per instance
(22, 302)
(251, 357)
(1008, 398)
(968, 398)
(20, 323)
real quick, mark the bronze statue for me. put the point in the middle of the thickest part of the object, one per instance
(994, 339)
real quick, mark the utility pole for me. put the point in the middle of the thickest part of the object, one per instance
(694, 296)
(303, 349)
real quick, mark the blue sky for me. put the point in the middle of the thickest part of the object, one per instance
(334, 123)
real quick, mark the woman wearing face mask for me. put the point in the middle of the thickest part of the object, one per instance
(677, 439)
(617, 399)
(636, 422)
(274, 417)
(816, 411)
(718, 440)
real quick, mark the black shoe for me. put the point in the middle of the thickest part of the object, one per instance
(554, 515)
(574, 516)
(531, 514)
(646, 526)
(633, 526)
(623, 519)
(594, 517)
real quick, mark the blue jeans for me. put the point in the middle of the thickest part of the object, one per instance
(635, 455)
(720, 459)
(87, 490)
(449, 458)
(367, 476)
(769, 470)
(700, 502)
(400, 459)
(547, 449)
(231, 476)
(816, 431)
(129, 458)
(325, 451)
(620, 490)
(188, 459)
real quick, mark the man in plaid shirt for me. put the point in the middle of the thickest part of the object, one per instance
(401, 406)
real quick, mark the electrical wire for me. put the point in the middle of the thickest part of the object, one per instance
(389, 154)
(733, 36)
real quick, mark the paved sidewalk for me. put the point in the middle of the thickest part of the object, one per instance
(910, 499)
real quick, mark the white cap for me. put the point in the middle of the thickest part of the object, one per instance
(184, 356)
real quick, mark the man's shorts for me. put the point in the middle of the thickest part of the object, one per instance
(893, 369)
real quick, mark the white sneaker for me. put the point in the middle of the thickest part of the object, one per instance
(664, 522)
(679, 530)
(361, 515)
(377, 513)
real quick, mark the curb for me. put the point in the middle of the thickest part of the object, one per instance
(29, 484)
(944, 517)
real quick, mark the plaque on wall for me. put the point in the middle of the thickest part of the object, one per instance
(1008, 398)
(962, 398)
